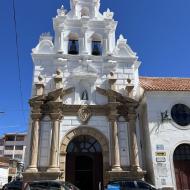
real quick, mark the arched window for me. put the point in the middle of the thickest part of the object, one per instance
(73, 46)
(96, 45)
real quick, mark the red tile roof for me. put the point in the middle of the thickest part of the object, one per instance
(165, 84)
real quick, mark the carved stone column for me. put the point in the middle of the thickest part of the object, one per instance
(34, 143)
(54, 152)
(115, 150)
(134, 155)
(116, 165)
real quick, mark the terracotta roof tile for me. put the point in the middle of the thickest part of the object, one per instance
(165, 84)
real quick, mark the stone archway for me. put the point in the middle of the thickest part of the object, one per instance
(90, 132)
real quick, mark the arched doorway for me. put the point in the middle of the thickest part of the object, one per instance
(182, 166)
(84, 163)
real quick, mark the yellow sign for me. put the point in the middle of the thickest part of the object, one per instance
(160, 153)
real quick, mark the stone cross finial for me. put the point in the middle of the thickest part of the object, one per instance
(39, 86)
(58, 79)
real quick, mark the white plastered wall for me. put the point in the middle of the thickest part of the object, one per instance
(70, 122)
(44, 142)
(167, 134)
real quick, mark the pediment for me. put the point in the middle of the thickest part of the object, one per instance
(119, 97)
(45, 46)
(84, 70)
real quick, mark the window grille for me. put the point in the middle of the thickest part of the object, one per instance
(84, 144)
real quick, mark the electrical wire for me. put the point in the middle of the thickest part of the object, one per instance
(18, 60)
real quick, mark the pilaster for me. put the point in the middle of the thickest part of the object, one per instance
(84, 40)
(61, 42)
(115, 150)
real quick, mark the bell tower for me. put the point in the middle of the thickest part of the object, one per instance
(85, 8)
(84, 27)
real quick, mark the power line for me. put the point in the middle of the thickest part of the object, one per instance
(18, 60)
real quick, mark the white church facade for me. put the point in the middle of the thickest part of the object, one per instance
(93, 119)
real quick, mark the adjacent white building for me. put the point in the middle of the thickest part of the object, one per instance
(4, 170)
(13, 145)
(93, 119)
(165, 119)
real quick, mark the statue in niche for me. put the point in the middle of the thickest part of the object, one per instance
(84, 95)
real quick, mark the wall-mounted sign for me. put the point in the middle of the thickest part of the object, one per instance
(162, 170)
(160, 159)
(160, 153)
(159, 147)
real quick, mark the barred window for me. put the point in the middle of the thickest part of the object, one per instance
(9, 147)
(18, 156)
(19, 147)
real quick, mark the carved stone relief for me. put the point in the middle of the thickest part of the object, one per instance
(84, 113)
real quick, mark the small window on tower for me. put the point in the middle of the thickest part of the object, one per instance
(84, 95)
(96, 48)
(73, 47)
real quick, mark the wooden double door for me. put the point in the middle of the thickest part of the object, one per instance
(182, 166)
(84, 163)
(85, 170)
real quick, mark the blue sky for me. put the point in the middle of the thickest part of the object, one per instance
(158, 30)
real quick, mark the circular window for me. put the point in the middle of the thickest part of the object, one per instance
(181, 114)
